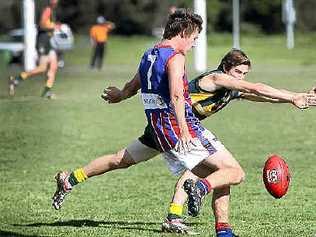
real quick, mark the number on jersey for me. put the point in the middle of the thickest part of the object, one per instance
(152, 59)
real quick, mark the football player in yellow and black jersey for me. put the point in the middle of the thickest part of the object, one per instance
(207, 102)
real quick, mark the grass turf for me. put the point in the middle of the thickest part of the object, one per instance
(39, 137)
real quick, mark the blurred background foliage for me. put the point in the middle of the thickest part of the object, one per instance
(141, 16)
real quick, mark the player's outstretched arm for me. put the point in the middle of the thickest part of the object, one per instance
(113, 94)
(257, 98)
(300, 100)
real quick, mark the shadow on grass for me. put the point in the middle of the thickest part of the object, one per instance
(124, 225)
(15, 234)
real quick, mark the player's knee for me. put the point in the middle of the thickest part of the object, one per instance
(42, 68)
(240, 175)
(51, 74)
(122, 160)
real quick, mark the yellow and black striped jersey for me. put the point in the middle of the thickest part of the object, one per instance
(206, 103)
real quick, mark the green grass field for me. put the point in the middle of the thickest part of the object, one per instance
(39, 137)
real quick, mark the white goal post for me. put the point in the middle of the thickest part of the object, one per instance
(200, 51)
(29, 34)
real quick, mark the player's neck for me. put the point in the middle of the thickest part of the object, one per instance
(174, 43)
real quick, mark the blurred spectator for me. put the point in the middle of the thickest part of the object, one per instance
(99, 37)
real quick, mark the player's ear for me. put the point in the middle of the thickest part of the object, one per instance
(224, 68)
(182, 34)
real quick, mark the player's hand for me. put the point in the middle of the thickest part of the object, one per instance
(311, 99)
(313, 90)
(304, 100)
(185, 143)
(112, 95)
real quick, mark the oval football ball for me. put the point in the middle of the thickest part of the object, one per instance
(276, 176)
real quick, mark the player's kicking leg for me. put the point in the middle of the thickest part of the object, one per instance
(66, 181)
(135, 153)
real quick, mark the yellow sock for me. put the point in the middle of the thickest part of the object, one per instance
(80, 175)
(77, 176)
(49, 83)
(23, 75)
(175, 209)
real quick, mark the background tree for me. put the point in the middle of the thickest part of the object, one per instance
(141, 16)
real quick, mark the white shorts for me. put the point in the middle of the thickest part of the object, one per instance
(179, 162)
(140, 152)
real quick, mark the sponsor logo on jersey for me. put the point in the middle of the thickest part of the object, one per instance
(153, 101)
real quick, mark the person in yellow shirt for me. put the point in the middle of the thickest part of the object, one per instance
(99, 36)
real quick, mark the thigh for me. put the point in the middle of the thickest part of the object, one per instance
(52, 60)
(43, 61)
(139, 152)
(221, 159)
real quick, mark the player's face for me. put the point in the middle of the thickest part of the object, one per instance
(239, 72)
(189, 42)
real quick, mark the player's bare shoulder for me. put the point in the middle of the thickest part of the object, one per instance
(207, 82)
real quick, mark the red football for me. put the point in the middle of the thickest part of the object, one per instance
(276, 176)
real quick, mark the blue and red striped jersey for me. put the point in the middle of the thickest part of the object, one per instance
(156, 98)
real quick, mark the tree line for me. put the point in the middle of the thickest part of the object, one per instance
(141, 16)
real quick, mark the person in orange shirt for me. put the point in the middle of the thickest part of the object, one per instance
(99, 36)
(47, 55)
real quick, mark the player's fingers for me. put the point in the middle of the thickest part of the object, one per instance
(303, 105)
(105, 98)
(193, 143)
(186, 146)
(313, 90)
(108, 89)
(181, 147)
(176, 148)
(310, 96)
(311, 100)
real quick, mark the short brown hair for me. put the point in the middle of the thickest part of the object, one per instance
(234, 58)
(182, 21)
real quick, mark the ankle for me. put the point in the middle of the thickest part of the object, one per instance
(203, 186)
(223, 229)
